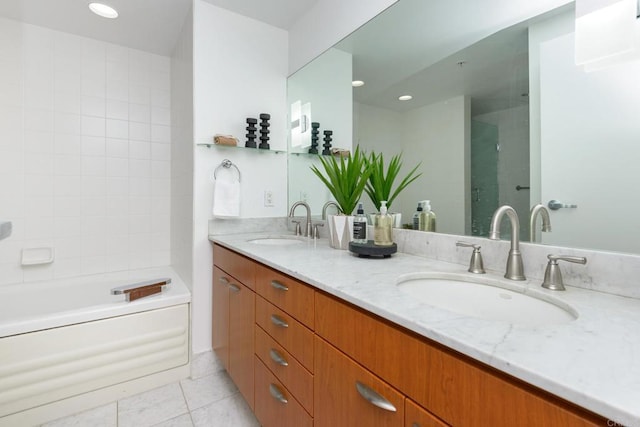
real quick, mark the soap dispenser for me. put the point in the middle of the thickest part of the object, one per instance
(416, 217)
(382, 226)
(427, 220)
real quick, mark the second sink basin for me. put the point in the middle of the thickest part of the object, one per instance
(278, 240)
(485, 298)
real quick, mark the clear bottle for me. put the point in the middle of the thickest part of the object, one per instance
(416, 217)
(360, 226)
(428, 217)
(382, 226)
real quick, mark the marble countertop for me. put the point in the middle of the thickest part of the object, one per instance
(593, 361)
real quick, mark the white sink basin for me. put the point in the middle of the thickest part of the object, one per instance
(278, 241)
(485, 298)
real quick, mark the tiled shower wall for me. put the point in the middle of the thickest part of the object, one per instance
(84, 154)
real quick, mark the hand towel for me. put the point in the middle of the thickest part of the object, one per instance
(226, 197)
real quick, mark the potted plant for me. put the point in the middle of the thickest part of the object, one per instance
(380, 185)
(346, 179)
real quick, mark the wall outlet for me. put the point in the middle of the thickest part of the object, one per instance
(304, 196)
(268, 198)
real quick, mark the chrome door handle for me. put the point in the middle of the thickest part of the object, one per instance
(277, 394)
(234, 288)
(279, 286)
(224, 280)
(554, 205)
(279, 321)
(278, 358)
(374, 398)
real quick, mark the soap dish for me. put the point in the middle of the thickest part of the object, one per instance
(36, 256)
(369, 249)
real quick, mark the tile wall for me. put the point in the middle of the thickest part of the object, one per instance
(85, 152)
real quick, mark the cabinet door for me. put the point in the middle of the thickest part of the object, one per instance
(345, 394)
(415, 416)
(220, 320)
(241, 338)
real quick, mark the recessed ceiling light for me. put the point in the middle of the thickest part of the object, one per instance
(405, 97)
(103, 10)
(357, 83)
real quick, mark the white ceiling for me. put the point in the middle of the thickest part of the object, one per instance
(149, 25)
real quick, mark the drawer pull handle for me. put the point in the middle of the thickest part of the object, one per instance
(279, 321)
(374, 398)
(277, 357)
(279, 285)
(224, 280)
(234, 288)
(277, 394)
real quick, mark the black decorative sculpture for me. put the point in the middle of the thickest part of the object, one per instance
(315, 130)
(251, 132)
(264, 131)
(327, 143)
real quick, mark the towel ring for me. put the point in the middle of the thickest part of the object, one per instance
(227, 164)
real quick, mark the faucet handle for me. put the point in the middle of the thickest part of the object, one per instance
(475, 264)
(316, 231)
(298, 228)
(553, 276)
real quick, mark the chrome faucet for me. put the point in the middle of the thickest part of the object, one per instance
(546, 220)
(515, 269)
(327, 206)
(307, 230)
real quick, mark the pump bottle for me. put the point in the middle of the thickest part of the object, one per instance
(382, 226)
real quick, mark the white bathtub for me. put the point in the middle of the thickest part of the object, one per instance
(68, 338)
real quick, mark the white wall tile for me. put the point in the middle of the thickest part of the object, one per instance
(93, 146)
(93, 126)
(94, 106)
(117, 147)
(117, 129)
(160, 133)
(139, 149)
(117, 109)
(118, 90)
(139, 94)
(140, 113)
(139, 131)
(117, 167)
(67, 144)
(94, 186)
(64, 164)
(160, 151)
(67, 123)
(71, 178)
(38, 164)
(94, 166)
(38, 141)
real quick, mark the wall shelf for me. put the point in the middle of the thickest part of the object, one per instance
(231, 147)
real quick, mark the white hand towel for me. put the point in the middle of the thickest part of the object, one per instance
(226, 198)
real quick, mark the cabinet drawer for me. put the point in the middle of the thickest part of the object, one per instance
(415, 416)
(241, 268)
(274, 404)
(294, 337)
(457, 389)
(287, 293)
(346, 394)
(286, 368)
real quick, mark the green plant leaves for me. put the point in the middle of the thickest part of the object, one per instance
(345, 179)
(379, 186)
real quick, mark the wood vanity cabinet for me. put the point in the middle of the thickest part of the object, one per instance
(234, 317)
(455, 388)
(311, 359)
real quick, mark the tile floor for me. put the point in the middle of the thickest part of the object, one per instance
(207, 399)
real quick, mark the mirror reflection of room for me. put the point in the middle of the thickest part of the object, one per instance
(505, 118)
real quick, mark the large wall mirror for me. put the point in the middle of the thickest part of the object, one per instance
(500, 114)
